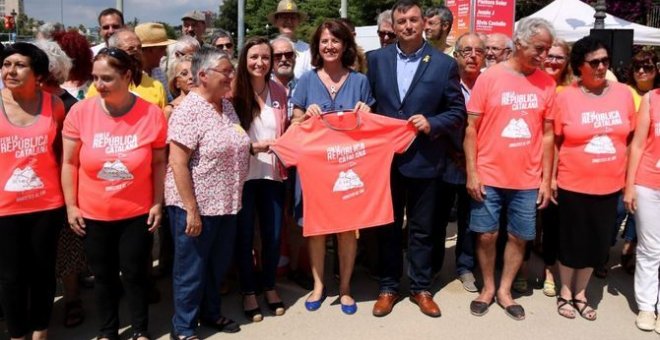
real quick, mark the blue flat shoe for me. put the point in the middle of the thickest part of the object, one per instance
(314, 305)
(349, 309)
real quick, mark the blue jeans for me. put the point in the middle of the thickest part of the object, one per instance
(265, 198)
(200, 264)
(629, 231)
(520, 208)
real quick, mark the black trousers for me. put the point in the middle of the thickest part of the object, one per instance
(111, 247)
(417, 196)
(28, 246)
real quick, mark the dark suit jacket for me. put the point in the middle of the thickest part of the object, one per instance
(435, 92)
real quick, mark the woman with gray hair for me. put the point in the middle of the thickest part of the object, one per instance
(70, 255)
(209, 153)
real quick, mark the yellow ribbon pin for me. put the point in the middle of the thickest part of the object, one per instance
(427, 58)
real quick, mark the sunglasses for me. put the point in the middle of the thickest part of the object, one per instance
(595, 62)
(226, 46)
(286, 55)
(389, 35)
(647, 68)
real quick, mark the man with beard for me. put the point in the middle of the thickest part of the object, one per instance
(194, 25)
(438, 24)
(149, 89)
(287, 18)
(499, 48)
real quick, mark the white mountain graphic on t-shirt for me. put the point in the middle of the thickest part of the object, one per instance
(23, 180)
(346, 181)
(600, 144)
(114, 171)
(517, 128)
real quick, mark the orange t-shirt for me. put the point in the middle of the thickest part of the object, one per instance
(29, 171)
(114, 177)
(513, 109)
(344, 166)
(648, 172)
(592, 156)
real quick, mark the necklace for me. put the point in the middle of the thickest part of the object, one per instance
(333, 90)
(263, 90)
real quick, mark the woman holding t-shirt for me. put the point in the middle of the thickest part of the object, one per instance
(112, 176)
(261, 107)
(31, 203)
(593, 120)
(332, 86)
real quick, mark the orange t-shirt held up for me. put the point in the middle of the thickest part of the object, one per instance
(114, 176)
(513, 108)
(344, 161)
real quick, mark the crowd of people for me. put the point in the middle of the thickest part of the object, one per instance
(526, 140)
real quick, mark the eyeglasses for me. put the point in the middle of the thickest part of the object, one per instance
(594, 63)
(497, 50)
(226, 73)
(555, 57)
(647, 68)
(226, 46)
(388, 34)
(466, 52)
(286, 55)
(114, 27)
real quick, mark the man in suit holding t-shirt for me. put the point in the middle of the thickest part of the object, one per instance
(428, 95)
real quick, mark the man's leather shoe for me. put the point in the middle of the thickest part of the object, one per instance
(385, 303)
(426, 304)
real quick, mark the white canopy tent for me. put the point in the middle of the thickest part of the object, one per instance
(573, 19)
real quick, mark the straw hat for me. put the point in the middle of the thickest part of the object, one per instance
(153, 34)
(286, 6)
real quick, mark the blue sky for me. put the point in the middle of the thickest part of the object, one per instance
(86, 11)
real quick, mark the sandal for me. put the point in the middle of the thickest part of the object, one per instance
(138, 335)
(565, 312)
(174, 336)
(74, 314)
(223, 324)
(549, 288)
(587, 312)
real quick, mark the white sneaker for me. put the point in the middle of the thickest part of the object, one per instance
(646, 321)
(469, 282)
(657, 326)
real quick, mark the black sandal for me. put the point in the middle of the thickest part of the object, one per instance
(561, 302)
(585, 310)
(276, 307)
(223, 324)
(74, 314)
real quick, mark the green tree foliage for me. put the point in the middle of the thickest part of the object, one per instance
(361, 12)
(171, 32)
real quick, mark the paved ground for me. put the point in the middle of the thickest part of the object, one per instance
(613, 298)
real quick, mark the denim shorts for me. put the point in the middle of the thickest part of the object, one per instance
(520, 208)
